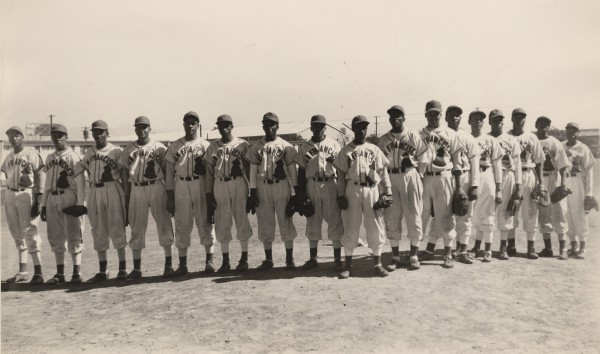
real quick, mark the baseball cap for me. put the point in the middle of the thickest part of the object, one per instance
(359, 119)
(433, 105)
(396, 108)
(14, 129)
(318, 119)
(519, 111)
(191, 114)
(572, 126)
(271, 116)
(454, 108)
(543, 119)
(100, 124)
(496, 113)
(477, 113)
(58, 128)
(223, 118)
(142, 120)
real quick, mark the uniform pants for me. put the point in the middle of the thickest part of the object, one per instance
(504, 221)
(106, 211)
(463, 223)
(484, 207)
(22, 227)
(272, 200)
(553, 217)
(529, 208)
(64, 229)
(437, 194)
(360, 203)
(153, 197)
(407, 195)
(576, 216)
(231, 199)
(324, 197)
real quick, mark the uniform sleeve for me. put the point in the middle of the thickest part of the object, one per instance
(380, 160)
(537, 154)
(382, 143)
(475, 152)
(588, 176)
(170, 153)
(496, 158)
(252, 154)
(588, 158)
(78, 167)
(4, 168)
(420, 152)
(47, 185)
(341, 160)
(517, 159)
(561, 159)
(209, 155)
(85, 160)
(300, 158)
(124, 158)
(289, 154)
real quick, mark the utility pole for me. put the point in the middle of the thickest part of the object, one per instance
(51, 116)
(376, 123)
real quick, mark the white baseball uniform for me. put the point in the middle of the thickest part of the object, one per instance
(61, 191)
(407, 156)
(490, 165)
(273, 174)
(580, 183)
(106, 203)
(19, 169)
(553, 217)
(365, 168)
(143, 162)
(511, 175)
(531, 154)
(321, 187)
(230, 188)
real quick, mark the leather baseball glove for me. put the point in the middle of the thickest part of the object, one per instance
(589, 203)
(291, 206)
(306, 207)
(540, 196)
(384, 201)
(251, 203)
(559, 194)
(75, 210)
(460, 204)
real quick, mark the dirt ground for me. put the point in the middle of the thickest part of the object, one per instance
(518, 305)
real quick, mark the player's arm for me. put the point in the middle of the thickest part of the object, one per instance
(170, 186)
(126, 184)
(497, 169)
(210, 178)
(301, 191)
(386, 184)
(39, 181)
(588, 180)
(80, 183)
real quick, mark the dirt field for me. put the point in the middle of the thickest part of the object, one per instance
(504, 306)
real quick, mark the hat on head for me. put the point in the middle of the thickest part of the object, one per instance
(359, 119)
(396, 108)
(318, 119)
(271, 116)
(142, 120)
(496, 113)
(543, 119)
(224, 118)
(191, 114)
(14, 129)
(100, 124)
(433, 105)
(58, 128)
(518, 111)
(572, 126)
(476, 113)
(454, 108)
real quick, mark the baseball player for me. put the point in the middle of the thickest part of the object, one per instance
(555, 168)
(143, 166)
(489, 195)
(438, 185)
(362, 171)
(185, 183)
(64, 187)
(106, 200)
(532, 158)
(23, 168)
(466, 179)
(273, 173)
(407, 156)
(580, 180)
(317, 181)
(511, 179)
(227, 186)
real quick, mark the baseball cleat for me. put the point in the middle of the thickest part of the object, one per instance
(181, 270)
(414, 263)
(37, 279)
(392, 266)
(580, 254)
(502, 255)
(465, 258)
(546, 252)
(345, 274)
(57, 278)
(310, 264)
(168, 272)
(134, 274)
(76, 278)
(98, 278)
(511, 251)
(18, 278)
(563, 255)
(122, 275)
(426, 256)
(225, 267)
(290, 265)
(338, 265)
(380, 272)
(487, 256)
(209, 268)
(242, 266)
(531, 254)
(265, 265)
(476, 253)
(571, 253)
(448, 262)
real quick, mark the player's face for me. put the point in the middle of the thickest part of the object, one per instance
(59, 140)
(15, 139)
(476, 123)
(453, 119)
(270, 128)
(360, 131)
(497, 123)
(433, 119)
(142, 131)
(100, 136)
(190, 126)
(224, 128)
(542, 127)
(396, 121)
(318, 129)
(572, 133)
(518, 121)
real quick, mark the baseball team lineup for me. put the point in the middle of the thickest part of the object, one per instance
(443, 182)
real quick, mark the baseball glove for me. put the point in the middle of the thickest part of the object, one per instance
(383, 202)
(342, 202)
(512, 208)
(251, 204)
(35, 210)
(307, 208)
(589, 203)
(540, 197)
(460, 204)
(75, 210)
(291, 206)
(559, 194)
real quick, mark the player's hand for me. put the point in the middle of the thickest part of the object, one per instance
(342, 202)
(171, 206)
(498, 199)
(472, 193)
(35, 210)
(43, 214)
(252, 202)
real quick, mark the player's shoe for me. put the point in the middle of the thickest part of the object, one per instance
(455, 253)
(580, 254)
(414, 263)
(290, 265)
(338, 265)
(225, 267)
(502, 254)
(134, 274)
(571, 253)
(476, 252)
(122, 275)
(531, 254)
(426, 256)
(181, 270)
(448, 262)
(487, 256)
(242, 266)
(546, 252)
(98, 278)
(168, 272)
(36, 279)
(465, 258)
(18, 278)
(346, 273)
(57, 278)
(394, 264)
(265, 265)
(563, 255)
(310, 264)
(76, 278)
(511, 251)
(380, 272)
(209, 268)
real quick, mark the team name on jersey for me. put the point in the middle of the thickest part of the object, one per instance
(440, 141)
(195, 150)
(486, 150)
(368, 155)
(321, 148)
(230, 152)
(62, 164)
(506, 146)
(146, 153)
(401, 145)
(273, 151)
(103, 158)
(547, 151)
(20, 162)
(526, 146)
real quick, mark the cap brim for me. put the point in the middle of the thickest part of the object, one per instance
(433, 110)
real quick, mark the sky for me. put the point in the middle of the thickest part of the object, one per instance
(116, 60)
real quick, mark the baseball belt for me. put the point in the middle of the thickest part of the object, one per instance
(147, 183)
(398, 170)
(364, 184)
(58, 192)
(322, 179)
(17, 189)
(193, 178)
(483, 168)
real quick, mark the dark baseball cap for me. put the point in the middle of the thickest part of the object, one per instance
(454, 108)
(572, 126)
(14, 129)
(318, 119)
(191, 114)
(496, 113)
(359, 120)
(58, 128)
(224, 118)
(142, 120)
(519, 111)
(396, 108)
(543, 119)
(433, 105)
(100, 125)
(271, 116)
(476, 113)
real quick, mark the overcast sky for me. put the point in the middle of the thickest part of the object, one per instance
(115, 60)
